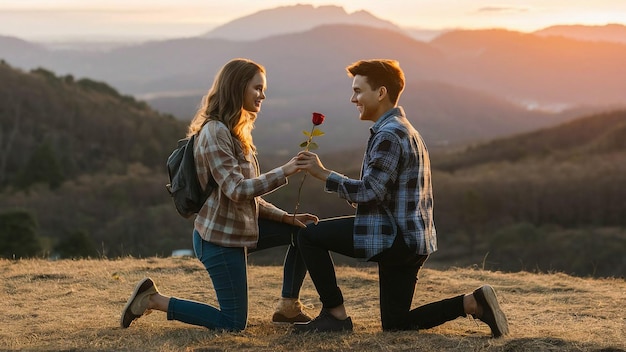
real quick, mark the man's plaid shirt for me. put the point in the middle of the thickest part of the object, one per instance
(394, 194)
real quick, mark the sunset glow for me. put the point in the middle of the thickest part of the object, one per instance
(57, 19)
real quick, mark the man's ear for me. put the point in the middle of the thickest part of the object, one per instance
(382, 93)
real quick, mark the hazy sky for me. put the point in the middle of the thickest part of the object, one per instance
(105, 19)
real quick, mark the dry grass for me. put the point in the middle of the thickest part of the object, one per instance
(75, 306)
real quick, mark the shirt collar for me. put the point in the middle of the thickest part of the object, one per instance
(396, 111)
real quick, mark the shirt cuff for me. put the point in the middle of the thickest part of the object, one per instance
(280, 175)
(333, 181)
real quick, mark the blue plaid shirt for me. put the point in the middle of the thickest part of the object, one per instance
(394, 195)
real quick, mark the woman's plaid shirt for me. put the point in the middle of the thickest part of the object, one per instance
(230, 215)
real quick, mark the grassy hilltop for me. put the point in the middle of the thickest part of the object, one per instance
(75, 306)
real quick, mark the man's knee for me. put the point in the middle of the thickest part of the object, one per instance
(303, 237)
(396, 322)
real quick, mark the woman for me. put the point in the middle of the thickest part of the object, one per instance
(235, 219)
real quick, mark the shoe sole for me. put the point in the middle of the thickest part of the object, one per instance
(301, 328)
(296, 331)
(492, 301)
(133, 296)
(280, 319)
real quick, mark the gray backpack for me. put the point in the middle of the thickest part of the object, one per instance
(184, 187)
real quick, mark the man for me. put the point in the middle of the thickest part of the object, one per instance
(393, 225)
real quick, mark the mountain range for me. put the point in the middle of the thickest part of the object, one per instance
(462, 86)
(280, 20)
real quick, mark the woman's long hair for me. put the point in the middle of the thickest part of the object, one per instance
(224, 102)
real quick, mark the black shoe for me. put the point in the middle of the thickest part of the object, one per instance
(491, 314)
(324, 322)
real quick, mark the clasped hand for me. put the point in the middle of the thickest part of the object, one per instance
(310, 162)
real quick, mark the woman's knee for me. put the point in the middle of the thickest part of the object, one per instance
(232, 321)
(234, 327)
(238, 326)
(239, 322)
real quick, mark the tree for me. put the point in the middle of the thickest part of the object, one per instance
(77, 245)
(474, 216)
(43, 166)
(8, 133)
(18, 235)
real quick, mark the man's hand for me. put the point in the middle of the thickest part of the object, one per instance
(311, 163)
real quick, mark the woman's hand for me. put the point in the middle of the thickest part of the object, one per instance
(311, 163)
(300, 220)
(291, 167)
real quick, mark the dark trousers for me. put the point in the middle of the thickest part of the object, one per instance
(397, 268)
(273, 234)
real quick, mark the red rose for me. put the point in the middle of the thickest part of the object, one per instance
(318, 118)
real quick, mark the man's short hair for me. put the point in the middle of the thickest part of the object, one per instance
(380, 72)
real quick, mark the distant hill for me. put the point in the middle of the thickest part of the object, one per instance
(587, 136)
(425, 35)
(445, 115)
(16, 46)
(84, 126)
(22, 53)
(607, 33)
(291, 19)
(535, 70)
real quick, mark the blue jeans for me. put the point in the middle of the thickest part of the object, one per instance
(227, 268)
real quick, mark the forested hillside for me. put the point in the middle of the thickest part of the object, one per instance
(74, 127)
(83, 174)
(553, 199)
(80, 163)
(589, 137)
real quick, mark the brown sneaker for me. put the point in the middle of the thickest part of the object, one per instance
(290, 310)
(490, 312)
(137, 304)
